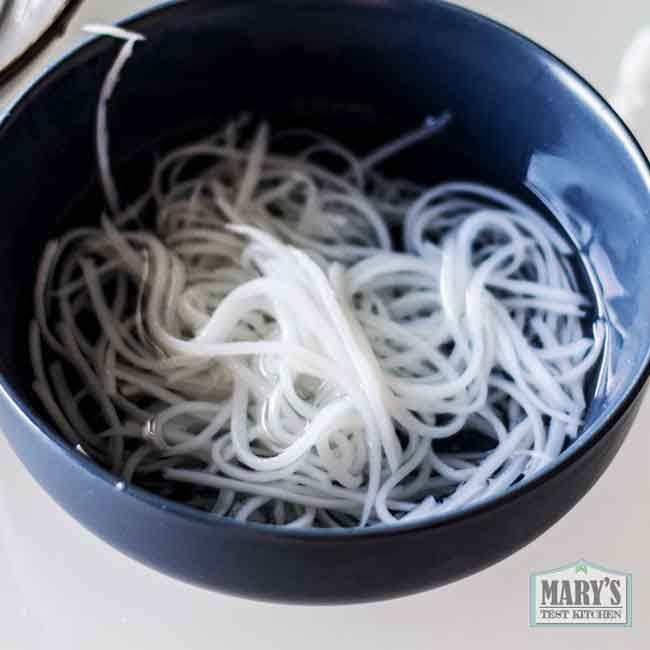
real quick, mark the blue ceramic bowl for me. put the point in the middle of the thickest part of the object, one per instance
(362, 70)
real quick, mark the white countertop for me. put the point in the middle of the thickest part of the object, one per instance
(60, 587)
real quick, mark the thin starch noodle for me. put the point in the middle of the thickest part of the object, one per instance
(245, 337)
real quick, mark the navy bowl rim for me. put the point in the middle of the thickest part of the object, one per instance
(563, 462)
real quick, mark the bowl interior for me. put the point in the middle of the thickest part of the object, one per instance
(362, 74)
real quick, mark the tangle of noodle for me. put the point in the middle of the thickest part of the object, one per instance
(264, 344)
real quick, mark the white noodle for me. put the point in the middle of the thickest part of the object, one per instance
(264, 344)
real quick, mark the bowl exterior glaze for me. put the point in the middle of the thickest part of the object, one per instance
(522, 120)
(307, 569)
